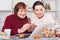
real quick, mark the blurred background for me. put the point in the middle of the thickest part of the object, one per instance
(51, 6)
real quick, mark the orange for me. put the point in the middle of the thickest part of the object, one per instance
(37, 37)
(21, 35)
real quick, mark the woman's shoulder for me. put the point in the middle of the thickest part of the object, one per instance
(47, 14)
(10, 16)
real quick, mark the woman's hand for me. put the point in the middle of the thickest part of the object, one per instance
(32, 27)
(24, 28)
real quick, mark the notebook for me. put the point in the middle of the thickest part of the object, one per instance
(37, 30)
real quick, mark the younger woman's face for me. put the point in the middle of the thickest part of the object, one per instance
(39, 11)
(22, 13)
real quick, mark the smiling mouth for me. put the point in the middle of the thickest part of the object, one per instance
(23, 15)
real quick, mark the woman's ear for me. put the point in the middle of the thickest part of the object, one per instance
(43, 9)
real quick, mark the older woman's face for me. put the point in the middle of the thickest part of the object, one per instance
(39, 11)
(22, 13)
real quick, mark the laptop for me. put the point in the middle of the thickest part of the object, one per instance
(37, 30)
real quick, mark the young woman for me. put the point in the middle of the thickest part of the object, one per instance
(39, 17)
(41, 20)
(17, 22)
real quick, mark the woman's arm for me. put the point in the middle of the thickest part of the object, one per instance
(7, 23)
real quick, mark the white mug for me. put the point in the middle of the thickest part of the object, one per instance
(7, 31)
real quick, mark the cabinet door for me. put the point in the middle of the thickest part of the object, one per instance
(5, 4)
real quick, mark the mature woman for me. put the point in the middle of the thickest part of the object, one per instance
(39, 17)
(17, 22)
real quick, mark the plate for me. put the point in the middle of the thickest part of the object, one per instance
(25, 35)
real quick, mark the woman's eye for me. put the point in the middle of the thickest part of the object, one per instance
(41, 9)
(36, 10)
(20, 10)
(24, 10)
